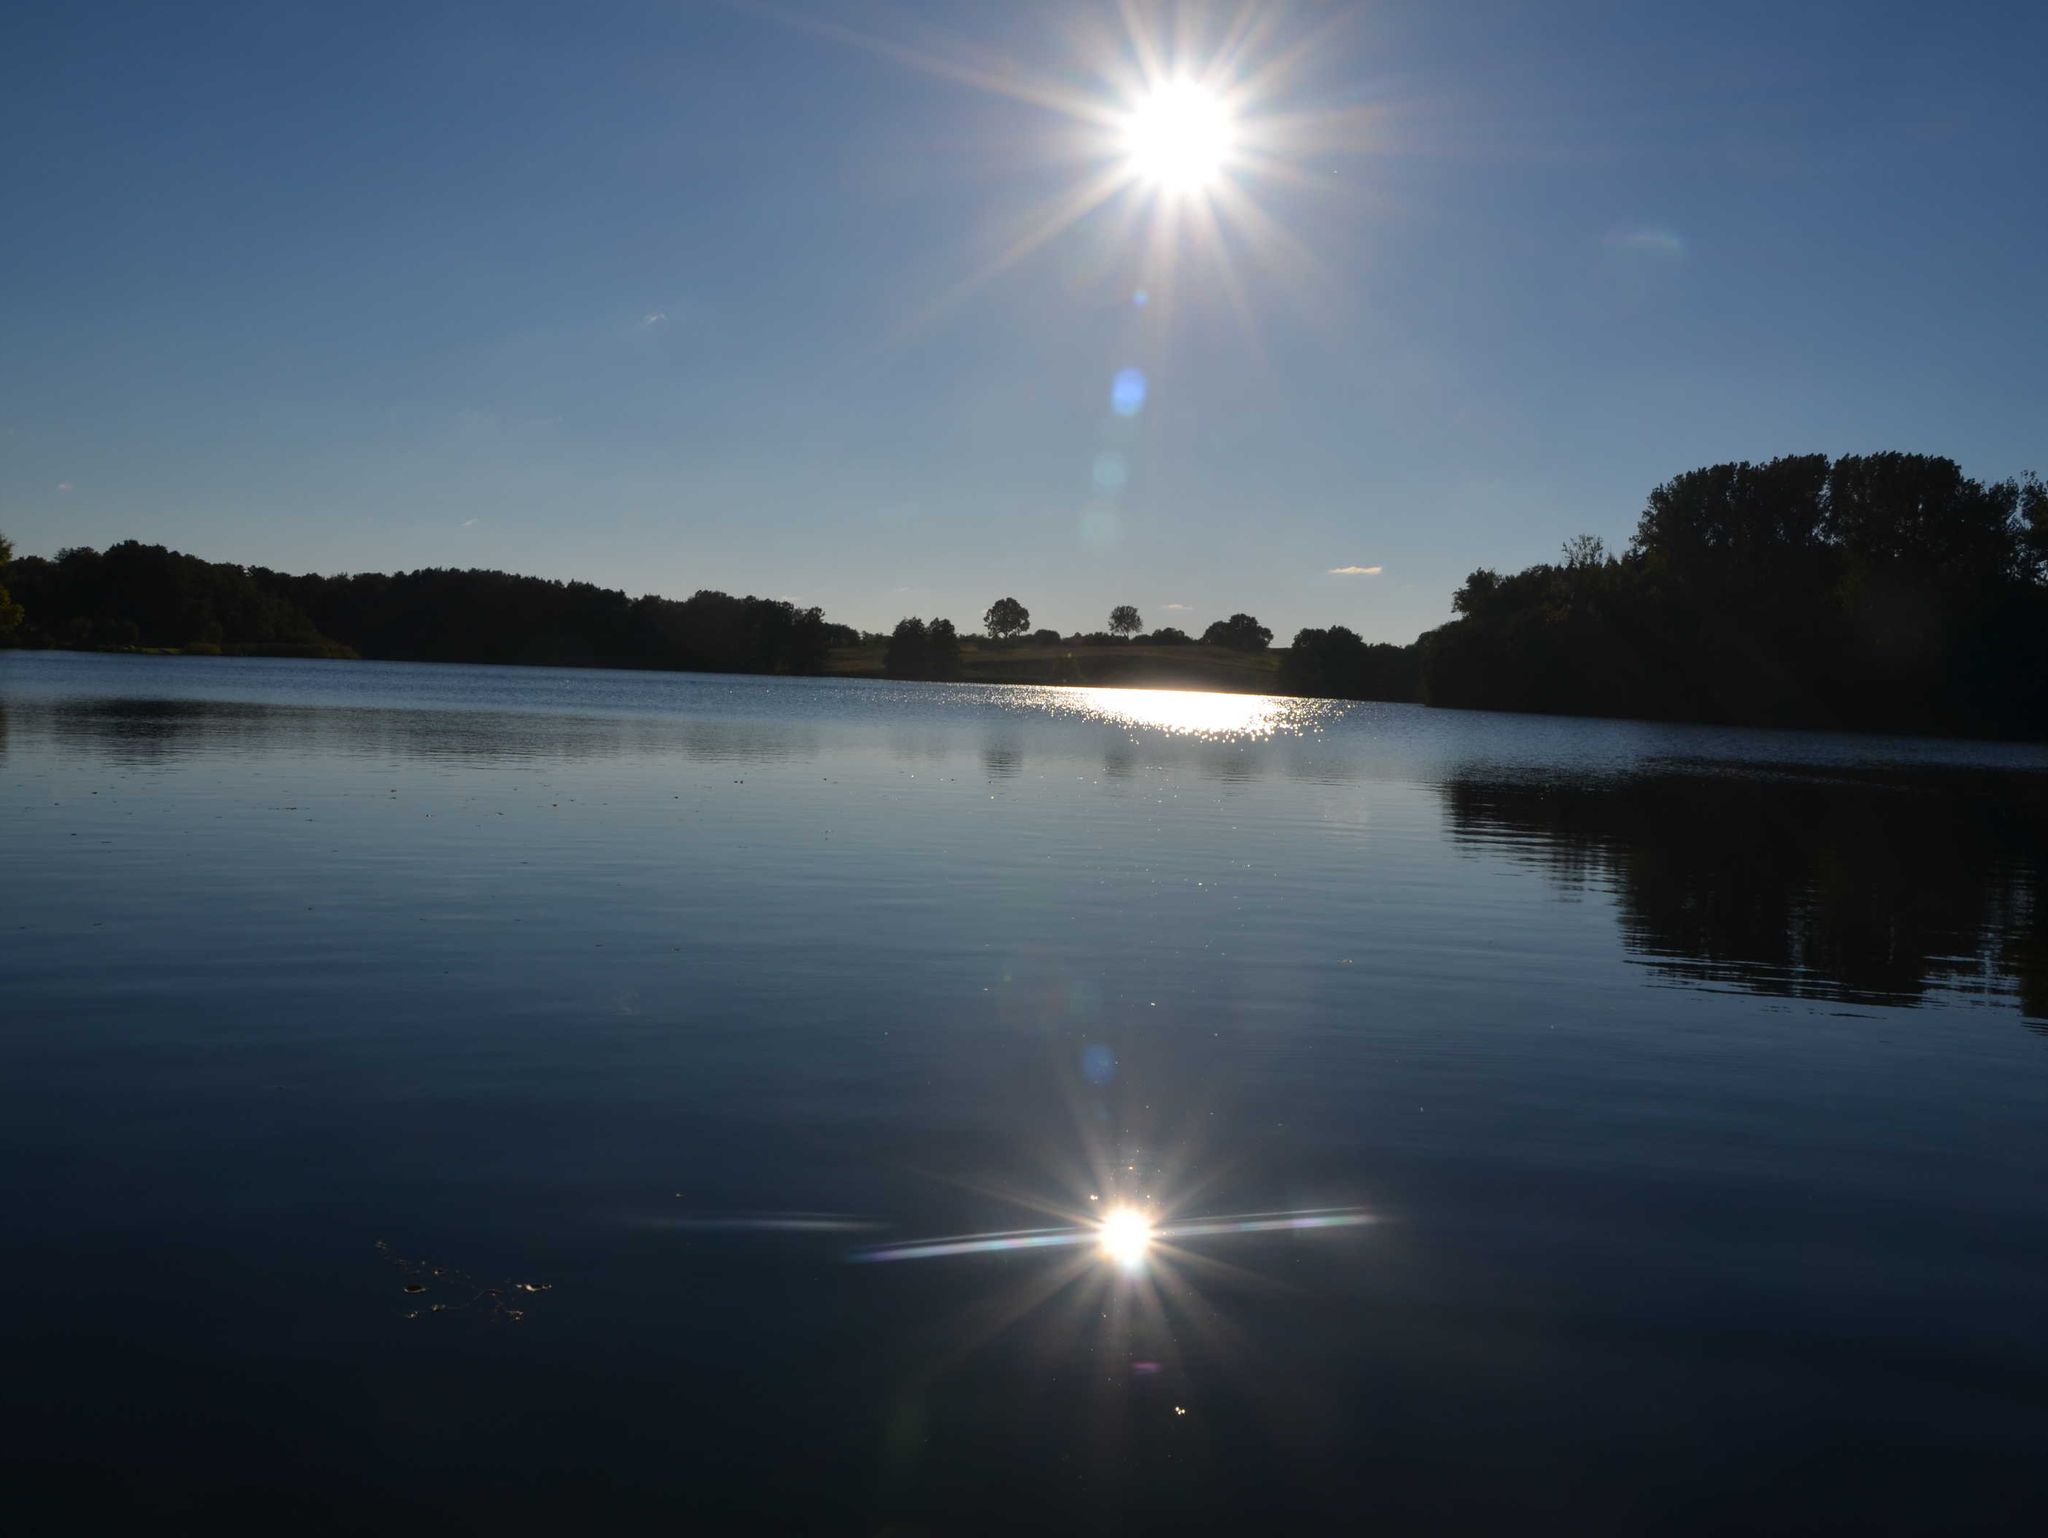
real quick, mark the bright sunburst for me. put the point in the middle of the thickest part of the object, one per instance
(1180, 137)
(1126, 1236)
(1194, 118)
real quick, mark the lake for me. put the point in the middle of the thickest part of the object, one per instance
(1546, 1121)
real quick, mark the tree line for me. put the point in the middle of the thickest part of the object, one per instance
(930, 649)
(1009, 620)
(1882, 591)
(136, 595)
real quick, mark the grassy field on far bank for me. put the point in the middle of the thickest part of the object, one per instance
(1125, 666)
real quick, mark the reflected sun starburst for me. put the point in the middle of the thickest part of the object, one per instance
(1126, 1236)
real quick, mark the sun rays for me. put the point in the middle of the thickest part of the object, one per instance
(1177, 128)
(1132, 1292)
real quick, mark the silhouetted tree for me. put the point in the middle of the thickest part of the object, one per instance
(2033, 526)
(1337, 664)
(943, 644)
(10, 611)
(1167, 635)
(1124, 621)
(1046, 637)
(1883, 591)
(1006, 617)
(918, 650)
(1240, 632)
(1583, 550)
(905, 656)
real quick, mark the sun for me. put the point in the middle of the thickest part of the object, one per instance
(1184, 125)
(1179, 138)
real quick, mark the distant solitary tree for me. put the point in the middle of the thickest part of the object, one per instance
(1006, 617)
(1124, 621)
(1046, 637)
(1240, 633)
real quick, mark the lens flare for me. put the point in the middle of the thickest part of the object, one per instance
(1126, 1236)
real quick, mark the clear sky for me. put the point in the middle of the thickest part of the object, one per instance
(681, 295)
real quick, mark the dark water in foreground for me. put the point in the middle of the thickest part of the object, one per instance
(1694, 1082)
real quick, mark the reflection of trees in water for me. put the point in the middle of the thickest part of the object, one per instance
(1865, 886)
(1002, 757)
(148, 731)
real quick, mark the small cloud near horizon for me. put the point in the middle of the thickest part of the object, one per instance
(1649, 239)
(469, 523)
(1356, 571)
(1178, 608)
(653, 318)
(64, 486)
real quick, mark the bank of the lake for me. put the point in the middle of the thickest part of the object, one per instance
(1110, 664)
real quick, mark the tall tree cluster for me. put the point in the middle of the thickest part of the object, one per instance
(920, 650)
(1339, 664)
(1879, 591)
(10, 611)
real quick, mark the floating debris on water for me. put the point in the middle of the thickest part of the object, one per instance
(463, 1293)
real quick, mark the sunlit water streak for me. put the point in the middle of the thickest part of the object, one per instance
(1185, 712)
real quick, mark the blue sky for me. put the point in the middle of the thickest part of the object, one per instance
(669, 296)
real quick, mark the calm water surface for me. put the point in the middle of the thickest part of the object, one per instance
(1681, 1093)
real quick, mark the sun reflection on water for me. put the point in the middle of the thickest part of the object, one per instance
(1186, 712)
(1126, 1236)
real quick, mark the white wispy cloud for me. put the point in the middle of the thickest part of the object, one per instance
(1178, 608)
(1356, 571)
(469, 523)
(64, 486)
(653, 318)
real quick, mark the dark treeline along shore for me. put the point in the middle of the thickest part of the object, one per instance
(1884, 592)
(136, 596)
(1879, 592)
